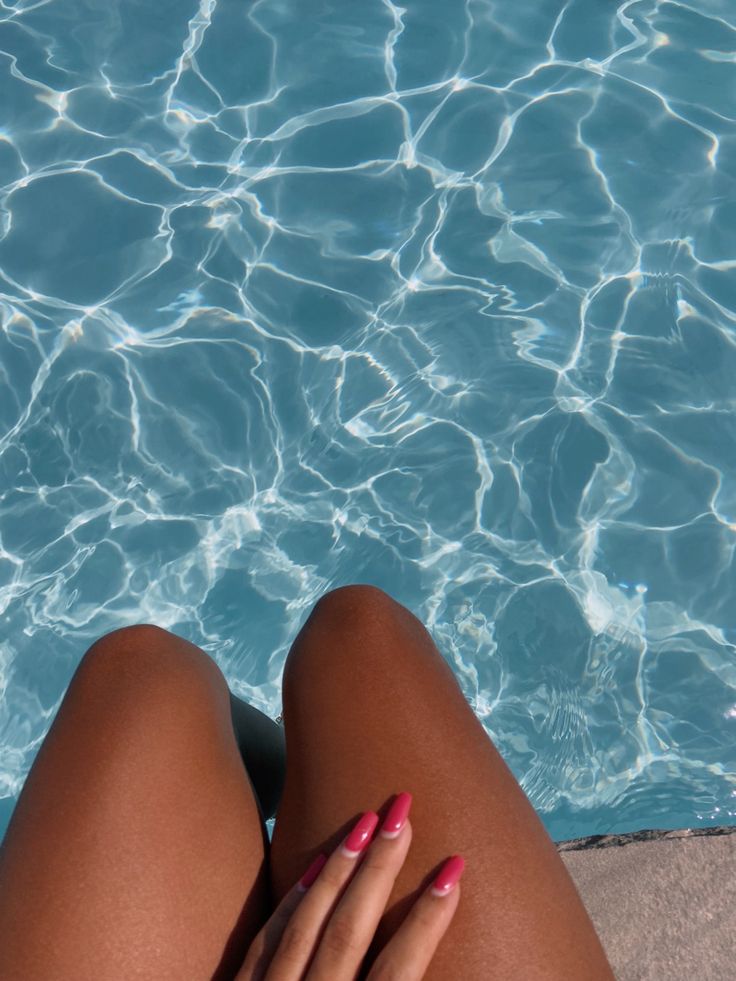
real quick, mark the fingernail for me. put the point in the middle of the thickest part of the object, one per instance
(312, 872)
(396, 817)
(360, 835)
(449, 875)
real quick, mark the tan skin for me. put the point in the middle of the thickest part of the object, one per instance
(137, 851)
(325, 934)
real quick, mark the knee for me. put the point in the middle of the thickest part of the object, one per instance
(358, 603)
(142, 651)
(140, 640)
(350, 618)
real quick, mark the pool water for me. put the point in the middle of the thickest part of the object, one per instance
(439, 297)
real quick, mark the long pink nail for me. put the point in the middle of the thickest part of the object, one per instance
(448, 876)
(312, 872)
(396, 817)
(360, 835)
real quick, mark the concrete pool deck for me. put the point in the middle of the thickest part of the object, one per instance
(663, 902)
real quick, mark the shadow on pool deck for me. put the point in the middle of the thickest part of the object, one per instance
(663, 902)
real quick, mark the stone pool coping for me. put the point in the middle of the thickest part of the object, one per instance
(663, 902)
(608, 841)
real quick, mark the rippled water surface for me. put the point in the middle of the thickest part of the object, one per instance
(440, 297)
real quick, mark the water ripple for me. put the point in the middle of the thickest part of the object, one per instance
(439, 297)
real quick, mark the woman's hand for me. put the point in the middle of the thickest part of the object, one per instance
(323, 926)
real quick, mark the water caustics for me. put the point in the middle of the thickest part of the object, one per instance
(436, 296)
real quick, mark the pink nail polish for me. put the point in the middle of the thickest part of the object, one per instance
(396, 817)
(360, 836)
(312, 872)
(448, 876)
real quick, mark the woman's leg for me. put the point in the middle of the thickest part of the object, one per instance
(136, 849)
(370, 709)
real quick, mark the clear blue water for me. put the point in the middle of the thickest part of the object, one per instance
(439, 297)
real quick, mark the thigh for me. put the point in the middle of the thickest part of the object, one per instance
(371, 709)
(136, 848)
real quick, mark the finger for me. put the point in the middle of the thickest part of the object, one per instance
(412, 947)
(356, 916)
(303, 933)
(266, 942)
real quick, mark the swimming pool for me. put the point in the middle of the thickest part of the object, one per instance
(439, 297)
